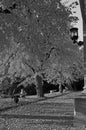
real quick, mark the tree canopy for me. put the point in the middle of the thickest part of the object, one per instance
(34, 38)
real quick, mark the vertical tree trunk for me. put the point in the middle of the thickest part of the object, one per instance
(39, 86)
(60, 88)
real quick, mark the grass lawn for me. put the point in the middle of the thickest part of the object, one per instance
(54, 112)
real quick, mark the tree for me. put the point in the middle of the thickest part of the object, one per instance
(34, 32)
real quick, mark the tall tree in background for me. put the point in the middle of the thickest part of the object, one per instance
(35, 41)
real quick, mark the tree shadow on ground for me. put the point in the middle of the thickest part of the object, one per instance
(24, 103)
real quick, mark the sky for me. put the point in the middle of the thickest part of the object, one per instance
(79, 25)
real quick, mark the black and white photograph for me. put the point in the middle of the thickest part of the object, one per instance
(42, 65)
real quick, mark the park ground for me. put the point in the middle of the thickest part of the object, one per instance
(53, 112)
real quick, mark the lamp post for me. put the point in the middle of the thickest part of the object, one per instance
(74, 36)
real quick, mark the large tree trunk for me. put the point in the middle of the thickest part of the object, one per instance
(39, 86)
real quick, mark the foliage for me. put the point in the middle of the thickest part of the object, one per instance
(5, 86)
(35, 39)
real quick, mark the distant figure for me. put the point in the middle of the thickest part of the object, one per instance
(16, 99)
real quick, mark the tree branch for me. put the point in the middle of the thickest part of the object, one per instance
(26, 62)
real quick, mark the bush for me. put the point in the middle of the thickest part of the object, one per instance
(78, 85)
(48, 86)
(30, 89)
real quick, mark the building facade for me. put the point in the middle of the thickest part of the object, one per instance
(83, 11)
